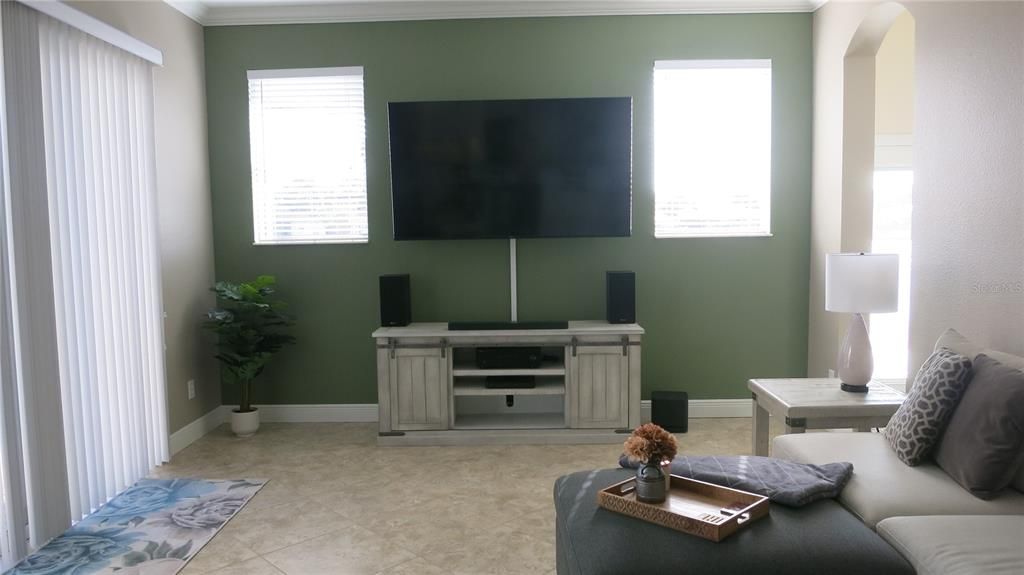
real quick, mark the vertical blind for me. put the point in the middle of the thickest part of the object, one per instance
(81, 338)
(31, 354)
(712, 148)
(98, 132)
(13, 517)
(307, 138)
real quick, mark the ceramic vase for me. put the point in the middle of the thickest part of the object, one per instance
(650, 482)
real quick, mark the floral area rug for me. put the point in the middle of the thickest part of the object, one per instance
(152, 528)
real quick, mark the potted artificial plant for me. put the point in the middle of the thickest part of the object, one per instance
(250, 329)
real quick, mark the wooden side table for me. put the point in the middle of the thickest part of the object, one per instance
(818, 404)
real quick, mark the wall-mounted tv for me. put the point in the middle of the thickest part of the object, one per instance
(511, 168)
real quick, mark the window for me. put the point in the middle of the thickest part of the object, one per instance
(712, 148)
(308, 141)
(890, 332)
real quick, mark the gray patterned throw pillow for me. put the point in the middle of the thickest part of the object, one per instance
(919, 422)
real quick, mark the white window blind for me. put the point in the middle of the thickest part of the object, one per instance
(308, 142)
(84, 235)
(13, 509)
(101, 187)
(712, 148)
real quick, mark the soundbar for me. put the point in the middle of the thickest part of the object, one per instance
(501, 325)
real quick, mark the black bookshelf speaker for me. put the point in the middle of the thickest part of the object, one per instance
(670, 409)
(395, 300)
(620, 292)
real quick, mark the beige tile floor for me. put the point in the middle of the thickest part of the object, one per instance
(338, 504)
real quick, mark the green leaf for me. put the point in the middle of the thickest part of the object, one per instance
(250, 327)
(181, 552)
(133, 558)
(162, 550)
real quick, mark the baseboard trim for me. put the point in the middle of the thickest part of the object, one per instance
(318, 413)
(367, 413)
(707, 408)
(197, 429)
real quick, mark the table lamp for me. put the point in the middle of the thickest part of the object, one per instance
(859, 284)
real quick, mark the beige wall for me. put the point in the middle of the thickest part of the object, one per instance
(968, 223)
(186, 234)
(834, 28)
(894, 80)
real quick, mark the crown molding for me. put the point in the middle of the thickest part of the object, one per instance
(194, 9)
(220, 13)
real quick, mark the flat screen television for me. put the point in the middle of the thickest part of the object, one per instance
(511, 168)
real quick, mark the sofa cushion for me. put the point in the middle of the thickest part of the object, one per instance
(917, 425)
(983, 445)
(882, 486)
(955, 341)
(958, 545)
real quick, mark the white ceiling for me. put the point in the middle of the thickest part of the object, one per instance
(232, 12)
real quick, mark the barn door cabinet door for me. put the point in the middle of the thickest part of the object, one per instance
(600, 388)
(419, 389)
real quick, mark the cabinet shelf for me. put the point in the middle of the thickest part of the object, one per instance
(548, 367)
(511, 421)
(477, 386)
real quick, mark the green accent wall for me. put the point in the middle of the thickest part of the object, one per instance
(717, 311)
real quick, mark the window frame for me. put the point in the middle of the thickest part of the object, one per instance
(894, 153)
(724, 63)
(319, 72)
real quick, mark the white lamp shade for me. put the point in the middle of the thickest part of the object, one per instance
(861, 283)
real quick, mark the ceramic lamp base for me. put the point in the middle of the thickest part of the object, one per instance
(853, 388)
(855, 364)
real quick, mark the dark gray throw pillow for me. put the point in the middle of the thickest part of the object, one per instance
(918, 423)
(983, 445)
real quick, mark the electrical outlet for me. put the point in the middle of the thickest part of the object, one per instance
(191, 389)
(832, 373)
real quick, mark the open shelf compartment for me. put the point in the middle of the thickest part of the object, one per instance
(464, 363)
(551, 385)
(548, 367)
(495, 411)
(510, 421)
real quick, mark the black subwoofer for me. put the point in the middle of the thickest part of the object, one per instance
(395, 300)
(670, 409)
(620, 292)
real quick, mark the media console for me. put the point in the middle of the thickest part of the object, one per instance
(431, 392)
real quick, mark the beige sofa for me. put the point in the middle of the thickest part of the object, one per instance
(934, 523)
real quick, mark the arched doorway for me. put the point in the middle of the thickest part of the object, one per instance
(877, 164)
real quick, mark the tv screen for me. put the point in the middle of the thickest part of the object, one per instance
(511, 168)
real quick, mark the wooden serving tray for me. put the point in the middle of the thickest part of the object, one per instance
(695, 507)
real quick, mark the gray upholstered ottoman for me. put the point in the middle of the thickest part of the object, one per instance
(821, 538)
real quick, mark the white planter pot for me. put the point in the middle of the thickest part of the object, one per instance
(245, 424)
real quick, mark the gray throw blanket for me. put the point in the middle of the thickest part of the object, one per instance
(785, 482)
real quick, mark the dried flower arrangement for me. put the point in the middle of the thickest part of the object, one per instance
(650, 442)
